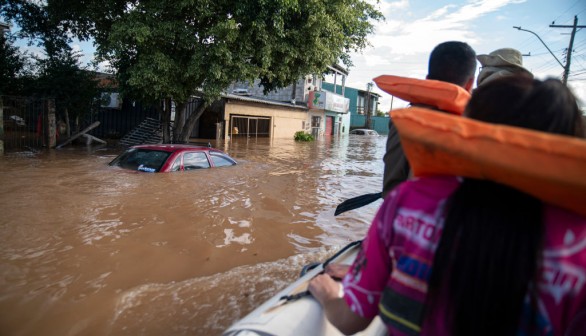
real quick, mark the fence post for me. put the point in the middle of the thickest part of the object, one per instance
(219, 128)
(1, 125)
(51, 124)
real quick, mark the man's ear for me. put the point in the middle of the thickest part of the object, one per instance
(469, 84)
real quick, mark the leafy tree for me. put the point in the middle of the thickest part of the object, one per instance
(61, 76)
(13, 67)
(59, 73)
(165, 50)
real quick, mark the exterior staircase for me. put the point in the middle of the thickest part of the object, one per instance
(147, 132)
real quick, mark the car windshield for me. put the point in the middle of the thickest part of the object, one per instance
(146, 160)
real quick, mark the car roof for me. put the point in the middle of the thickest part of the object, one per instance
(175, 147)
(363, 130)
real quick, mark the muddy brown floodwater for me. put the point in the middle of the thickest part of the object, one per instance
(88, 249)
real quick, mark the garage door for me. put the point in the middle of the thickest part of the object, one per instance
(246, 126)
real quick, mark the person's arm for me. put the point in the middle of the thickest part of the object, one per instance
(330, 293)
(336, 270)
(352, 308)
(396, 164)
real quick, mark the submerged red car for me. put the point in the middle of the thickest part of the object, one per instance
(168, 158)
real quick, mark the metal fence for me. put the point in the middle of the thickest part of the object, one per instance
(24, 121)
(115, 123)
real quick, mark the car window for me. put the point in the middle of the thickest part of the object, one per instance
(195, 160)
(146, 160)
(221, 160)
(176, 165)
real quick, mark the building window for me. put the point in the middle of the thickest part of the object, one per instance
(315, 121)
(360, 105)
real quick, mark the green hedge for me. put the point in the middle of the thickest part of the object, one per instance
(302, 136)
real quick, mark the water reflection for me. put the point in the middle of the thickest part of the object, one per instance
(91, 249)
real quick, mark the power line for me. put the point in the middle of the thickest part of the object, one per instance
(569, 50)
(569, 53)
(567, 10)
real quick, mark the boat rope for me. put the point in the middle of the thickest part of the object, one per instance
(346, 248)
(288, 298)
(293, 297)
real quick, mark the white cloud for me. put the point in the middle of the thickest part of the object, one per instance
(402, 43)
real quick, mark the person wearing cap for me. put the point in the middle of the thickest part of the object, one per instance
(499, 63)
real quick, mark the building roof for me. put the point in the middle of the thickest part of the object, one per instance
(336, 68)
(263, 101)
(372, 93)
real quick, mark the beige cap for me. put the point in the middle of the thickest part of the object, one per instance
(503, 57)
(501, 62)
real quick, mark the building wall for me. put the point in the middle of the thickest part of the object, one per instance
(379, 124)
(343, 121)
(346, 122)
(349, 93)
(302, 88)
(356, 119)
(285, 121)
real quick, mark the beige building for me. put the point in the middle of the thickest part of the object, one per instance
(247, 111)
(247, 116)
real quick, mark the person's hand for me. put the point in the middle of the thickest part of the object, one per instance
(336, 270)
(324, 288)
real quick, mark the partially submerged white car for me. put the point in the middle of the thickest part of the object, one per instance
(364, 131)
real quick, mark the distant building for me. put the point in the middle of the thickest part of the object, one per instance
(358, 100)
(326, 113)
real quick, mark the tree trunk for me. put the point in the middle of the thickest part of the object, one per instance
(179, 122)
(77, 124)
(190, 123)
(165, 119)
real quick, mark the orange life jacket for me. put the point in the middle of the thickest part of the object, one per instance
(445, 96)
(547, 166)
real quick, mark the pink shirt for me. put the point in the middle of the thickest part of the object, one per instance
(398, 251)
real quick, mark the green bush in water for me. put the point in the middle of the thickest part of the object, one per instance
(302, 136)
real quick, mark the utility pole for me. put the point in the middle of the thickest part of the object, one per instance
(367, 107)
(569, 55)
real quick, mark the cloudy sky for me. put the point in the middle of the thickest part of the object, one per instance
(402, 43)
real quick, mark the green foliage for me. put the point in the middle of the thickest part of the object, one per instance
(13, 65)
(302, 136)
(58, 74)
(169, 49)
(61, 76)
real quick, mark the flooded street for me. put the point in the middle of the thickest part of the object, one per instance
(89, 249)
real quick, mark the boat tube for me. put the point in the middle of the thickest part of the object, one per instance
(293, 311)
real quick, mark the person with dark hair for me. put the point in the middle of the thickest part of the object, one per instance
(451, 70)
(453, 62)
(447, 255)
